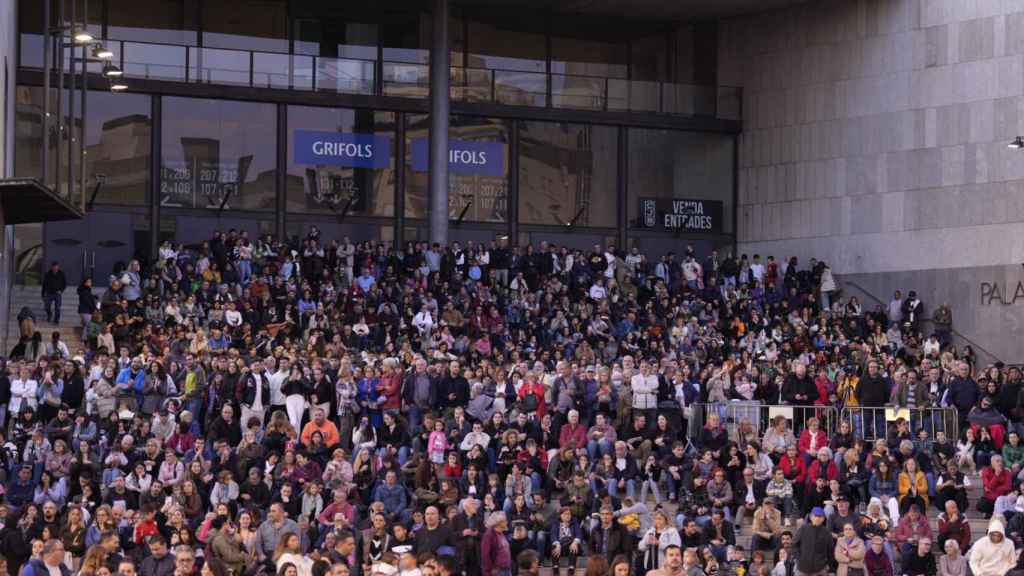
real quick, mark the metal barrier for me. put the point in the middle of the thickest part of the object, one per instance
(755, 417)
(866, 423)
(871, 423)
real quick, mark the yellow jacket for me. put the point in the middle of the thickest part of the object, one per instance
(922, 487)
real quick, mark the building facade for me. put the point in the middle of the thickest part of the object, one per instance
(272, 116)
(875, 137)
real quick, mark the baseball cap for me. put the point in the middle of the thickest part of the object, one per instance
(817, 511)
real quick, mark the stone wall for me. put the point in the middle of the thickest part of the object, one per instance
(875, 138)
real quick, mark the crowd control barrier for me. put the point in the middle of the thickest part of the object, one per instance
(757, 417)
(871, 423)
(866, 423)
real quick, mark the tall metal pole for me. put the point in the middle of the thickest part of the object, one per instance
(71, 102)
(439, 107)
(47, 72)
(85, 89)
(59, 34)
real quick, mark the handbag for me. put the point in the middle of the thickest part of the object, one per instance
(529, 403)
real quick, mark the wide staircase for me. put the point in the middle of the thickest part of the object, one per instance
(70, 324)
(979, 525)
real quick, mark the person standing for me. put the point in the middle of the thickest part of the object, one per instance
(54, 284)
(812, 544)
(496, 555)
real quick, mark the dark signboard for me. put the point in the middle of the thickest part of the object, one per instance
(681, 215)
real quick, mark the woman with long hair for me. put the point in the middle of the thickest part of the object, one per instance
(913, 487)
(657, 539)
(289, 551)
(280, 433)
(72, 535)
(102, 522)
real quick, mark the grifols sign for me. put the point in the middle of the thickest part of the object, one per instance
(670, 214)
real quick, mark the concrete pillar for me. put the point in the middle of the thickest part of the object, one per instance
(439, 107)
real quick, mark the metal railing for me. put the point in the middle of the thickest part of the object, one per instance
(202, 65)
(955, 334)
(755, 417)
(867, 423)
(872, 423)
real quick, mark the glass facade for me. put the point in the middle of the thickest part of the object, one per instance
(478, 168)
(568, 174)
(246, 25)
(674, 164)
(339, 74)
(156, 21)
(118, 134)
(216, 152)
(335, 182)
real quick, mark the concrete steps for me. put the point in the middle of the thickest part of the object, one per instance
(70, 324)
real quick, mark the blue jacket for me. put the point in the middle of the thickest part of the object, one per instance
(19, 494)
(393, 497)
(137, 382)
(38, 568)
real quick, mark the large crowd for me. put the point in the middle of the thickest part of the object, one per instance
(308, 407)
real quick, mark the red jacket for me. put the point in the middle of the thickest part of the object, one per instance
(805, 442)
(536, 389)
(996, 485)
(795, 470)
(814, 470)
(570, 432)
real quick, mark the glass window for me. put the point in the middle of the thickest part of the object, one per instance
(117, 145)
(406, 42)
(649, 58)
(157, 21)
(477, 168)
(493, 46)
(260, 25)
(28, 143)
(680, 165)
(28, 139)
(217, 149)
(336, 38)
(357, 172)
(568, 173)
(587, 57)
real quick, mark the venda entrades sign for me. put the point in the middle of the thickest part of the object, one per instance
(352, 149)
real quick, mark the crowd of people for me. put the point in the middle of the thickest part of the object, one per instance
(311, 407)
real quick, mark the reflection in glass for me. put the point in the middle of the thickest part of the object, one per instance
(218, 152)
(117, 144)
(474, 195)
(152, 61)
(673, 164)
(29, 141)
(327, 189)
(214, 66)
(567, 174)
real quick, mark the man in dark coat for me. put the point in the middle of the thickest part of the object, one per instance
(54, 284)
(610, 538)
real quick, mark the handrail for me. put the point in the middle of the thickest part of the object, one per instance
(977, 347)
(256, 68)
